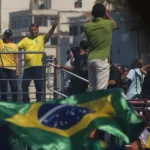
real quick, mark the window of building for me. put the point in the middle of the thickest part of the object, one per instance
(78, 4)
(20, 22)
(73, 30)
(41, 20)
(47, 4)
(26, 22)
(41, 4)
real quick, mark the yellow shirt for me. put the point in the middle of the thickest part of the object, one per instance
(32, 45)
(7, 60)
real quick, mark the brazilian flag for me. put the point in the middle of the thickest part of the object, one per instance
(65, 124)
(148, 143)
(95, 144)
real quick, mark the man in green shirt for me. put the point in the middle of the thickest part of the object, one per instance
(99, 36)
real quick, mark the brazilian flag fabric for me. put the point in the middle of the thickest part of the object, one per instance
(148, 143)
(65, 124)
(95, 144)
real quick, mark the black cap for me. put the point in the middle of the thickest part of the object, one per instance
(8, 32)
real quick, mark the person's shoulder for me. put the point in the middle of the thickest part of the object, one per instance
(132, 70)
(15, 45)
(41, 36)
(109, 21)
(24, 39)
(138, 70)
(88, 24)
(1, 41)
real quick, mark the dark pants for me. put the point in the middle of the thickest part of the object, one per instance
(9, 75)
(4, 137)
(79, 86)
(35, 74)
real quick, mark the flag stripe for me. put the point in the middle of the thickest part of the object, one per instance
(148, 142)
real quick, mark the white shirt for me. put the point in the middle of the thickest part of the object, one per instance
(137, 79)
(66, 76)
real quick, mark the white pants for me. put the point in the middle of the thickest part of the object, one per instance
(98, 71)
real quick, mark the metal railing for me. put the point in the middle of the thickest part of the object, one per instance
(19, 79)
(73, 74)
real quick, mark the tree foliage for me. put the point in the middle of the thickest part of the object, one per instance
(113, 4)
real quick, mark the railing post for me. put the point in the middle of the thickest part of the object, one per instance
(44, 76)
(55, 79)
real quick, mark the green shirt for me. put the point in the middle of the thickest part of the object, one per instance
(99, 35)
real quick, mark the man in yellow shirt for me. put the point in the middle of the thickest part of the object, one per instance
(33, 62)
(8, 66)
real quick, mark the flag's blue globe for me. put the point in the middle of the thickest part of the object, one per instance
(61, 116)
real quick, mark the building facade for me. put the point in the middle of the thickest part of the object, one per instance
(8, 6)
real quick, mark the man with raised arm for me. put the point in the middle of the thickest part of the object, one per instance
(33, 62)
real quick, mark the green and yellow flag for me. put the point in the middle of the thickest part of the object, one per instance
(148, 143)
(65, 124)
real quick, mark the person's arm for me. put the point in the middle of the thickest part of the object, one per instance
(21, 44)
(111, 83)
(115, 24)
(16, 59)
(50, 32)
(143, 70)
(65, 67)
(17, 64)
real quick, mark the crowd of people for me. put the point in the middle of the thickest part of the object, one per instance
(133, 80)
(92, 61)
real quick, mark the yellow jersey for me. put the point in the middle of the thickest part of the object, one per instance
(32, 45)
(8, 60)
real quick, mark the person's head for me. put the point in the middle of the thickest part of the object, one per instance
(98, 10)
(69, 54)
(125, 70)
(137, 63)
(34, 30)
(74, 51)
(7, 36)
(84, 45)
